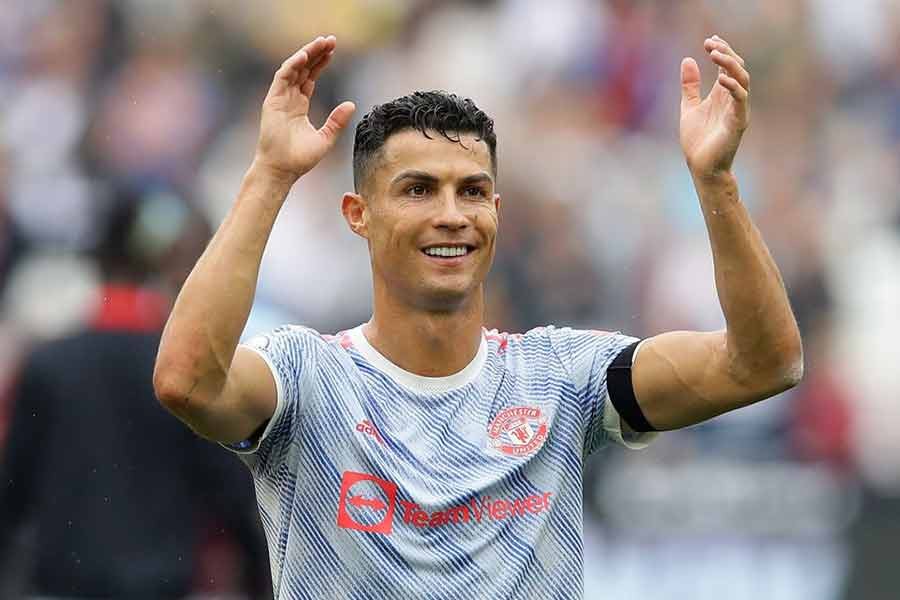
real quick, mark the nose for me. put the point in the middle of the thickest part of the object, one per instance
(449, 215)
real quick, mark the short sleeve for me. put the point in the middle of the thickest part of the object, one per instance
(290, 353)
(587, 354)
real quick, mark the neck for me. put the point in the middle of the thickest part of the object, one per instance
(428, 343)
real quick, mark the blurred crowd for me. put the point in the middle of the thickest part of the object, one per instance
(794, 498)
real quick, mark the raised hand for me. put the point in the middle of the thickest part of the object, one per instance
(712, 127)
(289, 145)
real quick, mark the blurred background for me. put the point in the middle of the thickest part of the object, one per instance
(156, 104)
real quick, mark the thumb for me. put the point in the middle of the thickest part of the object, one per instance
(337, 121)
(690, 83)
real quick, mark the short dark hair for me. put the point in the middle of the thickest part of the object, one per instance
(447, 114)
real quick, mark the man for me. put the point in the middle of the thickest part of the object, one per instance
(113, 486)
(419, 455)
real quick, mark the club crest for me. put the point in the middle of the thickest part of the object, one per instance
(518, 431)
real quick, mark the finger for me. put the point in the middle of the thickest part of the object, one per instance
(337, 121)
(738, 92)
(297, 59)
(320, 66)
(319, 53)
(286, 75)
(731, 67)
(296, 68)
(320, 47)
(309, 78)
(717, 43)
(690, 83)
(308, 55)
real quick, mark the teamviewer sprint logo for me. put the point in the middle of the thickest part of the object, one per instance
(367, 503)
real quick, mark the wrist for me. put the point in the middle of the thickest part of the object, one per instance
(269, 186)
(714, 180)
(265, 172)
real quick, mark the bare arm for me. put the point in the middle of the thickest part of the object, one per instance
(221, 392)
(682, 378)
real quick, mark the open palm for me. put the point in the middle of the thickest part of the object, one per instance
(712, 127)
(288, 141)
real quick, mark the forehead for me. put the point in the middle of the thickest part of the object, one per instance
(410, 149)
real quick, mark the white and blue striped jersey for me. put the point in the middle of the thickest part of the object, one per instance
(374, 482)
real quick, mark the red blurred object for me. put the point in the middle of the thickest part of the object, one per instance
(823, 420)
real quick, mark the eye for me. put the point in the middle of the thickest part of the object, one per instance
(474, 191)
(417, 190)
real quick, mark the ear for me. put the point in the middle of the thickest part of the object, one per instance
(356, 212)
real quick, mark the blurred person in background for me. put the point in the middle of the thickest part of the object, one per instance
(453, 415)
(121, 500)
(11, 240)
(763, 502)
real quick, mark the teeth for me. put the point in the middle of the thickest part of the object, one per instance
(447, 251)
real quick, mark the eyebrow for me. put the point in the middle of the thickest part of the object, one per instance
(415, 175)
(479, 178)
(429, 178)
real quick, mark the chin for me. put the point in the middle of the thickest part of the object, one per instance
(448, 297)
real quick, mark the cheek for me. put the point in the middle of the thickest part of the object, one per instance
(387, 235)
(487, 222)
(377, 238)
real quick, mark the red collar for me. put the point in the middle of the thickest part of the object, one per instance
(130, 308)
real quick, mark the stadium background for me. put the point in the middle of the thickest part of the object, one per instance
(796, 498)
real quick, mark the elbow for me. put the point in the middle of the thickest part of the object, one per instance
(185, 389)
(776, 369)
(179, 395)
(792, 366)
(786, 367)
(184, 392)
(791, 358)
(788, 376)
(187, 395)
(172, 390)
(175, 387)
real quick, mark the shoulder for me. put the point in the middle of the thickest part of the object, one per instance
(572, 348)
(545, 336)
(300, 342)
(536, 344)
(294, 335)
(282, 333)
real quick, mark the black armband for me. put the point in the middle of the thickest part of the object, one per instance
(621, 391)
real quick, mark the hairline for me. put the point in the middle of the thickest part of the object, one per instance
(369, 164)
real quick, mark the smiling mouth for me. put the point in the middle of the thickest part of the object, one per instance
(448, 251)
